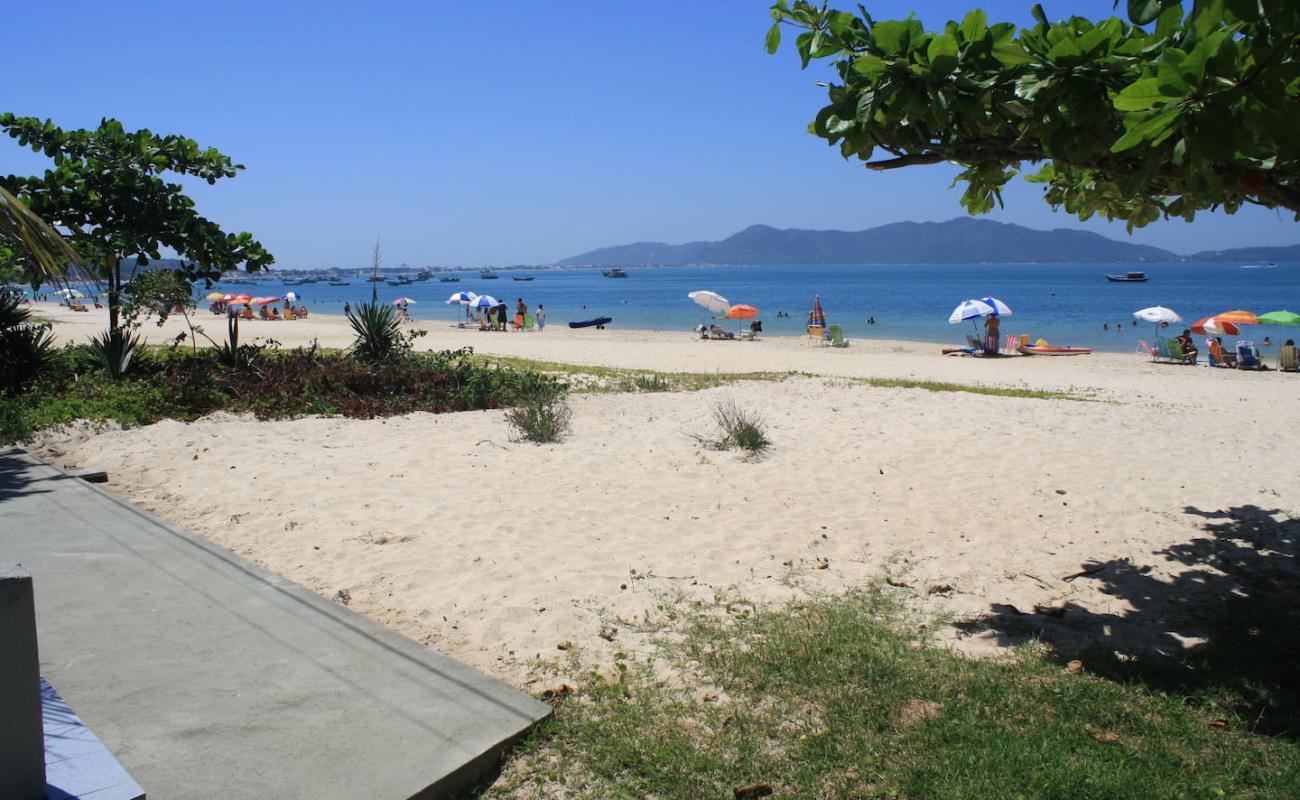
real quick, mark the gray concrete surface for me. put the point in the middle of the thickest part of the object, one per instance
(209, 677)
(22, 745)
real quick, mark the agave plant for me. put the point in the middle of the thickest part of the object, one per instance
(115, 348)
(379, 332)
(25, 347)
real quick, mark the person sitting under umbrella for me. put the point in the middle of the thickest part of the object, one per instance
(1189, 347)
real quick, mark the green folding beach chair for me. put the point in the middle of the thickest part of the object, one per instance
(1175, 351)
(837, 336)
(528, 322)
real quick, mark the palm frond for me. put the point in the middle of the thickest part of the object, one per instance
(52, 256)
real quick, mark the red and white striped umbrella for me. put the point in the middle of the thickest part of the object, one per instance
(1213, 326)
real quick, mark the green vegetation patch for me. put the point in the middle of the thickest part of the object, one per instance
(996, 391)
(594, 379)
(163, 383)
(839, 698)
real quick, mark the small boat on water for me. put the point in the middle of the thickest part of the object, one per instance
(1053, 350)
(339, 283)
(1269, 265)
(524, 277)
(613, 272)
(488, 275)
(1127, 277)
(449, 278)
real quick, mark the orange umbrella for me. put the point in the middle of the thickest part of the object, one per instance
(1239, 317)
(742, 311)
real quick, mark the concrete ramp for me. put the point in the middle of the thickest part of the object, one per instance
(210, 677)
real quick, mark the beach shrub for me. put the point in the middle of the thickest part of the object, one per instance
(115, 348)
(541, 418)
(25, 347)
(175, 383)
(738, 428)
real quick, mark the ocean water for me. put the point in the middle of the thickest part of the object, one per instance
(1062, 303)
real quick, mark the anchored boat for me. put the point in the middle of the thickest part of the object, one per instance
(1127, 277)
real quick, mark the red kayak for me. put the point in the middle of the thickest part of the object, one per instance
(1054, 350)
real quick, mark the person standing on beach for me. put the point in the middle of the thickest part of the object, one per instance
(992, 331)
(521, 312)
(501, 316)
(541, 316)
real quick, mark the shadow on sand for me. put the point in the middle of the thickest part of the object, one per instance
(1225, 631)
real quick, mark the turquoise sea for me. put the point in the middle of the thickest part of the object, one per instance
(1062, 303)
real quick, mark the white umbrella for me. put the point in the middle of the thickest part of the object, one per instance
(461, 299)
(485, 301)
(711, 301)
(1157, 314)
(292, 297)
(972, 309)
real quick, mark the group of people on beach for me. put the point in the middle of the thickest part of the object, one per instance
(495, 318)
(266, 311)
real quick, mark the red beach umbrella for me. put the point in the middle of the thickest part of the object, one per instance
(818, 318)
(1214, 326)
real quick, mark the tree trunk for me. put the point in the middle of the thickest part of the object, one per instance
(114, 272)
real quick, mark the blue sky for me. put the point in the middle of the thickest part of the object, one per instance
(499, 133)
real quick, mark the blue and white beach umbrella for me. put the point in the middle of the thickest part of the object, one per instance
(485, 301)
(461, 299)
(972, 309)
(1000, 309)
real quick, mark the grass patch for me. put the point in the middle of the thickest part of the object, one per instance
(738, 429)
(835, 698)
(542, 418)
(996, 391)
(593, 379)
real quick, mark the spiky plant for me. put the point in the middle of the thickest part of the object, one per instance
(25, 347)
(378, 330)
(115, 348)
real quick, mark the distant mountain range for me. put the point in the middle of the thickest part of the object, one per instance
(963, 240)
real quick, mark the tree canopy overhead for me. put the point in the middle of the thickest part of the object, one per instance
(106, 192)
(1194, 111)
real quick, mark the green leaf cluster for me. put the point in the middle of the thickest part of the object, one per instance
(1164, 114)
(107, 192)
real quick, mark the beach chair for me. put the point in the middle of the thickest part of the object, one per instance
(837, 336)
(1288, 360)
(1148, 349)
(1174, 350)
(1218, 358)
(1247, 355)
(817, 334)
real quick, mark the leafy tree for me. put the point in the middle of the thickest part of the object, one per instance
(1198, 111)
(106, 190)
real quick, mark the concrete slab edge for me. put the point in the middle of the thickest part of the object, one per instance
(528, 708)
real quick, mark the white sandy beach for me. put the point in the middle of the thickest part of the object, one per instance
(497, 552)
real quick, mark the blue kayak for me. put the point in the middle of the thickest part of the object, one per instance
(598, 322)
